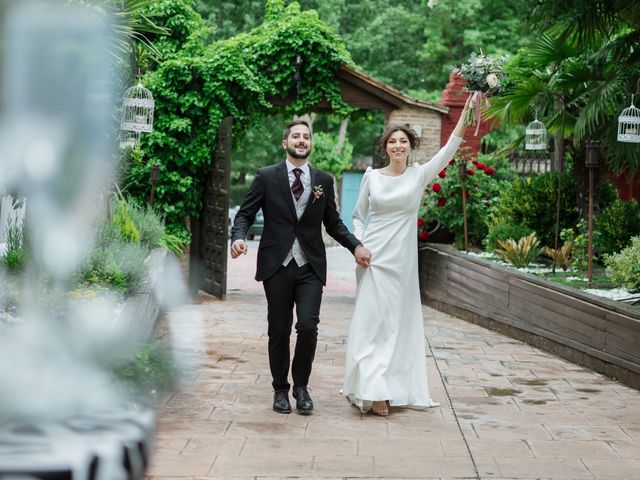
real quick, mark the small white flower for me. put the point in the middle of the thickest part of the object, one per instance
(432, 3)
(492, 80)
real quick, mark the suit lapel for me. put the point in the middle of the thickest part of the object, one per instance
(283, 181)
(312, 180)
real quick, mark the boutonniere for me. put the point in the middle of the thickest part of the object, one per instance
(317, 192)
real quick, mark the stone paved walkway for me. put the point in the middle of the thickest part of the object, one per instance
(509, 411)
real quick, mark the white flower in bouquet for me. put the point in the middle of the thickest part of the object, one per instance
(432, 3)
(485, 77)
(492, 80)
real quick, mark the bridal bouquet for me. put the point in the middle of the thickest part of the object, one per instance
(485, 77)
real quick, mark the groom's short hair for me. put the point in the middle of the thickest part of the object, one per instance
(290, 125)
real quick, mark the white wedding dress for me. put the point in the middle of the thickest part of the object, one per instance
(386, 345)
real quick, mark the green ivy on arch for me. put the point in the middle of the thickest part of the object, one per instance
(197, 84)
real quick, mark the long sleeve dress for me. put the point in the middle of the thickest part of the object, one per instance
(386, 345)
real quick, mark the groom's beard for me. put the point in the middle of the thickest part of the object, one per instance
(292, 151)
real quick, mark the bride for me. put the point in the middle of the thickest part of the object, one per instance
(385, 364)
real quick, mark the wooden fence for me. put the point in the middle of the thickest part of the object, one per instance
(598, 333)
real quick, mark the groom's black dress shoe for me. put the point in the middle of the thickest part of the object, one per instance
(281, 402)
(304, 404)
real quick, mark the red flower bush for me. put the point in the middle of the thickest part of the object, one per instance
(420, 222)
(423, 236)
(444, 201)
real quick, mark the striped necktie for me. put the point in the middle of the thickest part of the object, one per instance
(296, 186)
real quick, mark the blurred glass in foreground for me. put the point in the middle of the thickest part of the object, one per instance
(62, 414)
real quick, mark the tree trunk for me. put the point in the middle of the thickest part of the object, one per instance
(307, 117)
(342, 135)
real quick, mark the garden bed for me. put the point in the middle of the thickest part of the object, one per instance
(593, 331)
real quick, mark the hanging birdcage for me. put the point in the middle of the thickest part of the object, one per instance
(536, 136)
(137, 110)
(128, 139)
(629, 124)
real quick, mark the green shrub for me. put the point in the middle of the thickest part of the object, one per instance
(562, 256)
(120, 266)
(14, 260)
(504, 231)
(121, 218)
(442, 201)
(148, 223)
(519, 253)
(173, 243)
(15, 256)
(578, 237)
(149, 371)
(616, 224)
(624, 267)
(531, 202)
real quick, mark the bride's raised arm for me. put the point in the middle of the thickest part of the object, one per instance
(429, 170)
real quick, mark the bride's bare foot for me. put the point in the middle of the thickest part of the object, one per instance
(380, 408)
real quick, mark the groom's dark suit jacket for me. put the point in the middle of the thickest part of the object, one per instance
(270, 191)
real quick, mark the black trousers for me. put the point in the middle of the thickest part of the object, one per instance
(300, 287)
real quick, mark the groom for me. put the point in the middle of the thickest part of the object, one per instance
(296, 199)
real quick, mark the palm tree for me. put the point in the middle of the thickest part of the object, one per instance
(578, 83)
(132, 26)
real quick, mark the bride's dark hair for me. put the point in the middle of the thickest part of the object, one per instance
(414, 141)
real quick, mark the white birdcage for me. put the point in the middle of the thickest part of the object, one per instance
(629, 124)
(137, 109)
(129, 139)
(535, 136)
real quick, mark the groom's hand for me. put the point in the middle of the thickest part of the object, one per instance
(363, 256)
(238, 248)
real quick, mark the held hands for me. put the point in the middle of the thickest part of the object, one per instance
(363, 256)
(238, 248)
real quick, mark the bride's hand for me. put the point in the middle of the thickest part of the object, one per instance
(363, 256)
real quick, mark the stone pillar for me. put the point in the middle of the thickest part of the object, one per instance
(454, 96)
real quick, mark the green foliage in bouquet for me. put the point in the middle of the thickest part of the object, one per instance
(485, 77)
(483, 74)
(624, 267)
(442, 202)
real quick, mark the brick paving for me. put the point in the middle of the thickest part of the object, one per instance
(508, 410)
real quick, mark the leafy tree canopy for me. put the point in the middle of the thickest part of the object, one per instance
(198, 84)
